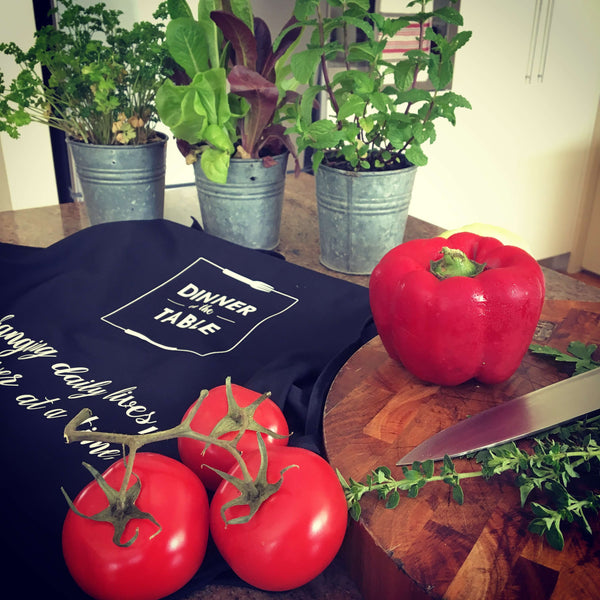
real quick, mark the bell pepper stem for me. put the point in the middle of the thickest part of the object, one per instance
(454, 263)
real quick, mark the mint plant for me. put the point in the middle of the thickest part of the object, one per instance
(382, 116)
(102, 77)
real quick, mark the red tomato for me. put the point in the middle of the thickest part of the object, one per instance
(211, 411)
(295, 533)
(149, 568)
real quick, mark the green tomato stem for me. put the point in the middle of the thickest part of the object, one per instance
(135, 441)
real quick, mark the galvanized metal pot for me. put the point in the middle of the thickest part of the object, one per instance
(121, 183)
(247, 209)
(362, 215)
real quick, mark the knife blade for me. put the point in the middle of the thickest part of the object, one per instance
(524, 416)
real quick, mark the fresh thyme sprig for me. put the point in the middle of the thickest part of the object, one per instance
(558, 458)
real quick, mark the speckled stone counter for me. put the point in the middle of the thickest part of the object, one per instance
(299, 241)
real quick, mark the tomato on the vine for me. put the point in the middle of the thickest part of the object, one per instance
(153, 566)
(295, 534)
(212, 409)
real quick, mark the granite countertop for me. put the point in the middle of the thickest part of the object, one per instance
(299, 241)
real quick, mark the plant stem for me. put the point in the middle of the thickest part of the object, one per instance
(324, 69)
(135, 442)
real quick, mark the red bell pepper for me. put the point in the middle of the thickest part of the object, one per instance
(459, 308)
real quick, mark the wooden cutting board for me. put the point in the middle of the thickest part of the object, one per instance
(429, 546)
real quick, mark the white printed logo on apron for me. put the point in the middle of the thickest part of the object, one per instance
(204, 309)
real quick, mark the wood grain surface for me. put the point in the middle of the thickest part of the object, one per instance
(431, 547)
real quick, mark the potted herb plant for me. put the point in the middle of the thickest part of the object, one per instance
(96, 81)
(223, 106)
(367, 149)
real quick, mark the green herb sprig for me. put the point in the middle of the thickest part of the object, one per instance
(562, 467)
(580, 355)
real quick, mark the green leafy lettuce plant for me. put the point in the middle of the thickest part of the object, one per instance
(382, 116)
(225, 98)
(101, 77)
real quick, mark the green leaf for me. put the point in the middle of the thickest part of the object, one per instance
(341, 479)
(361, 24)
(385, 471)
(540, 510)
(581, 350)
(427, 468)
(218, 137)
(303, 9)
(458, 494)
(363, 5)
(415, 155)
(323, 134)
(368, 52)
(577, 352)
(178, 8)
(537, 526)
(424, 132)
(186, 40)
(355, 105)
(413, 491)
(524, 490)
(555, 537)
(393, 499)
(380, 101)
(242, 9)
(177, 109)
(304, 64)
(353, 81)
(413, 475)
(317, 159)
(391, 26)
(215, 164)
(449, 14)
(403, 75)
(355, 510)
(367, 123)
(459, 40)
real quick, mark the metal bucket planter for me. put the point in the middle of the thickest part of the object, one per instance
(247, 209)
(362, 215)
(121, 183)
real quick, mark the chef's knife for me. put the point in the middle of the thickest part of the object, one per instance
(524, 416)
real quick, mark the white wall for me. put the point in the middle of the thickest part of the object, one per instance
(518, 158)
(27, 178)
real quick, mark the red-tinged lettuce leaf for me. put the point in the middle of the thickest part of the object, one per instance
(262, 95)
(287, 40)
(274, 141)
(184, 147)
(264, 46)
(239, 35)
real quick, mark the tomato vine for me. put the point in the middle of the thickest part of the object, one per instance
(122, 507)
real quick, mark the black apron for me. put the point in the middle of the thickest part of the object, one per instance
(133, 320)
